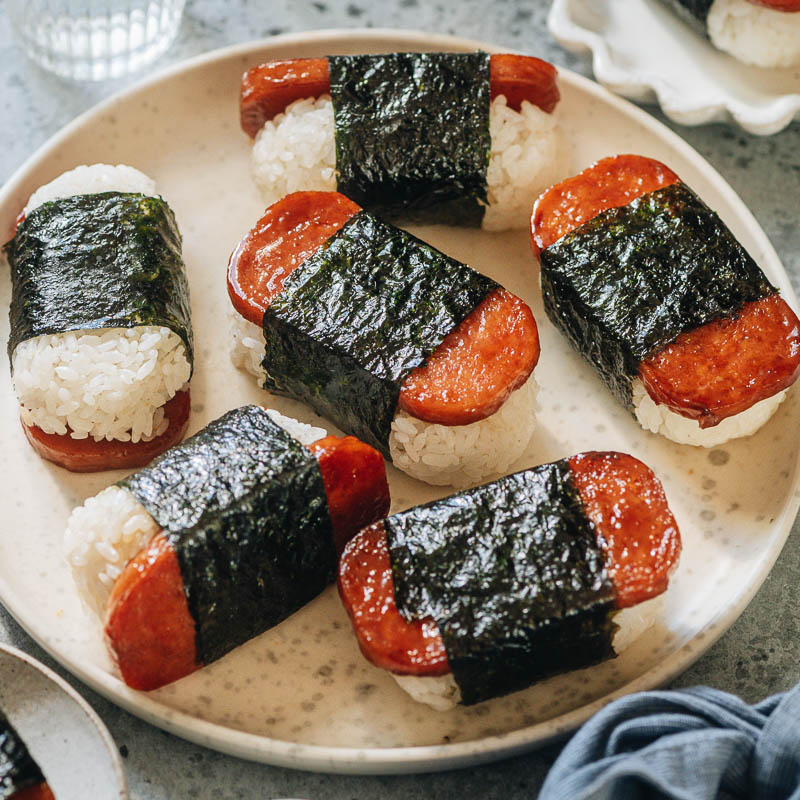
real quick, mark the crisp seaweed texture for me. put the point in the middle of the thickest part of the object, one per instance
(18, 770)
(695, 12)
(512, 574)
(625, 284)
(358, 316)
(107, 260)
(412, 134)
(244, 506)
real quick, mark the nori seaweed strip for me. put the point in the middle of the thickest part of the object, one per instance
(244, 506)
(695, 12)
(412, 134)
(512, 574)
(625, 284)
(107, 260)
(18, 770)
(358, 316)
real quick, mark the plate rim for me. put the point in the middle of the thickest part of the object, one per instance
(418, 758)
(93, 717)
(763, 121)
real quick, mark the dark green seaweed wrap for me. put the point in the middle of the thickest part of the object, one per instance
(625, 284)
(512, 574)
(358, 316)
(244, 506)
(107, 260)
(412, 134)
(18, 770)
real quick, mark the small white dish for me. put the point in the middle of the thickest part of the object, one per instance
(61, 731)
(642, 50)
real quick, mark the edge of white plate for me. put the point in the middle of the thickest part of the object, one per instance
(91, 714)
(646, 87)
(427, 758)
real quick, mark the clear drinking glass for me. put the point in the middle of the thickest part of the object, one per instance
(94, 39)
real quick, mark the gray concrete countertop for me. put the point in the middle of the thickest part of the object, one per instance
(760, 654)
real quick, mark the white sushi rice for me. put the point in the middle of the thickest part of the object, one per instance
(754, 34)
(247, 345)
(632, 622)
(109, 383)
(527, 157)
(92, 179)
(462, 455)
(658, 418)
(109, 529)
(102, 536)
(442, 693)
(295, 151)
(305, 434)
(443, 455)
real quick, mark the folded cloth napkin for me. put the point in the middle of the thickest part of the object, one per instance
(692, 744)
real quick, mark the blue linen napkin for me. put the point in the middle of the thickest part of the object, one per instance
(691, 744)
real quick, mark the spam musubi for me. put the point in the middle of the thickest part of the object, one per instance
(410, 350)
(765, 33)
(455, 138)
(494, 588)
(101, 338)
(219, 539)
(21, 777)
(653, 289)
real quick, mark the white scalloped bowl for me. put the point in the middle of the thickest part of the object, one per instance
(643, 51)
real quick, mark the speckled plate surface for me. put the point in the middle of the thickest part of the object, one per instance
(43, 707)
(301, 695)
(642, 50)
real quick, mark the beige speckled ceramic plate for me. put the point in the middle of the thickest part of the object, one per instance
(301, 694)
(63, 734)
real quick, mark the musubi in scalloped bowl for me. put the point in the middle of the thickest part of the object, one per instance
(765, 33)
